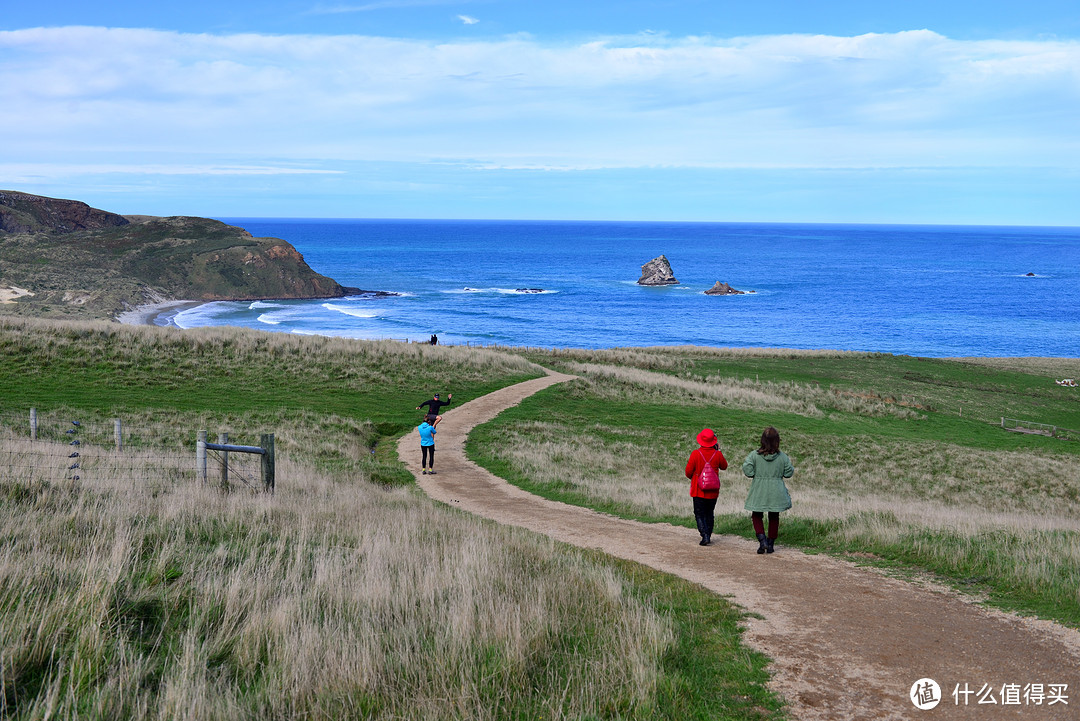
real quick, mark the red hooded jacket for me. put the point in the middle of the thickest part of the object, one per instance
(696, 465)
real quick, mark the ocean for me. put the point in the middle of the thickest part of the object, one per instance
(936, 291)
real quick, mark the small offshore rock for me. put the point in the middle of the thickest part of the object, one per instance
(657, 272)
(724, 289)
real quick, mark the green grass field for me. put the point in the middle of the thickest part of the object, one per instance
(328, 401)
(899, 461)
(137, 593)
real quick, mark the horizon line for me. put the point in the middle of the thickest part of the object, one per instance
(683, 222)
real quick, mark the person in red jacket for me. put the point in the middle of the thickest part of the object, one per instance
(704, 500)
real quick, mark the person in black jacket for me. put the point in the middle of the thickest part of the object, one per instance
(434, 406)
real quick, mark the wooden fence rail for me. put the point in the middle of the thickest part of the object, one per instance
(266, 450)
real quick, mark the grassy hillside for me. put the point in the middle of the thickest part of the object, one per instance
(136, 593)
(329, 400)
(899, 460)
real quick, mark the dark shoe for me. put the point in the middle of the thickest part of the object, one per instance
(769, 545)
(761, 543)
(424, 472)
(431, 473)
(708, 539)
(703, 542)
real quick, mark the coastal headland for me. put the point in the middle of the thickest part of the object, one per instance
(62, 258)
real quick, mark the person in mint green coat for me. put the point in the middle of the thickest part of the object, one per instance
(768, 466)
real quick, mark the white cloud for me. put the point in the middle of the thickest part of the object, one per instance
(468, 20)
(377, 5)
(35, 171)
(895, 100)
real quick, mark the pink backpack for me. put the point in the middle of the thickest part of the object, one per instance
(709, 480)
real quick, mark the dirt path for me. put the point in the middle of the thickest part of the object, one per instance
(847, 642)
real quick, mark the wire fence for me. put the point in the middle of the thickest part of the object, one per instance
(55, 447)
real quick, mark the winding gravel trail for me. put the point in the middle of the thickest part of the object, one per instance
(846, 642)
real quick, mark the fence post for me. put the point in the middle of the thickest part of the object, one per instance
(267, 443)
(33, 424)
(200, 457)
(1003, 421)
(118, 434)
(223, 439)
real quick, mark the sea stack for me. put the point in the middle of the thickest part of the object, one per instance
(723, 289)
(657, 272)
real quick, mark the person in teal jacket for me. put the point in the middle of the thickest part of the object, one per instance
(427, 445)
(768, 466)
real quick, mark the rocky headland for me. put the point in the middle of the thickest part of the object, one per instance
(26, 213)
(657, 272)
(66, 259)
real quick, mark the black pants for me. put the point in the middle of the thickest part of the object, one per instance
(703, 514)
(427, 456)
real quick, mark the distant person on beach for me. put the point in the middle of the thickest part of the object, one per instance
(768, 466)
(434, 406)
(707, 455)
(434, 339)
(427, 445)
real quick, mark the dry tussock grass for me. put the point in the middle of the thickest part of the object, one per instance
(949, 475)
(1051, 367)
(301, 433)
(611, 382)
(616, 383)
(877, 491)
(676, 355)
(645, 358)
(767, 352)
(290, 353)
(632, 466)
(628, 469)
(155, 597)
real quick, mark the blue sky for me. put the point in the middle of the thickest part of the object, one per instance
(787, 111)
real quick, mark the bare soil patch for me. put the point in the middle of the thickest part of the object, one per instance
(847, 642)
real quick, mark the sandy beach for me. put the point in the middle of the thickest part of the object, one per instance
(155, 313)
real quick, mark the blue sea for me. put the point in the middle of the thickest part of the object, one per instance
(916, 290)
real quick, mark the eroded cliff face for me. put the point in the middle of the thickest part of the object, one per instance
(26, 213)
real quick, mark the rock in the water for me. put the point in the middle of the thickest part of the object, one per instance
(657, 272)
(723, 289)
